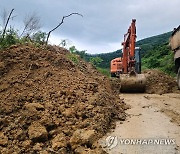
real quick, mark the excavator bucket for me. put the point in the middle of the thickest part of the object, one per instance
(132, 83)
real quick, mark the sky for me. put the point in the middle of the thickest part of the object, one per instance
(104, 22)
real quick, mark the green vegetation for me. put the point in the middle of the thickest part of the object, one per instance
(104, 71)
(12, 37)
(73, 57)
(148, 44)
(96, 61)
(160, 57)
(106, 58)
(156, 53)
(39, 37)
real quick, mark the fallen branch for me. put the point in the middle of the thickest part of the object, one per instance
(62, 21)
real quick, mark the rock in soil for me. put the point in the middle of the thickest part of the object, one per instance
(37, 132)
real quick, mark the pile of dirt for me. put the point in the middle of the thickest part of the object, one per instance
(159, 82)
(53, 102)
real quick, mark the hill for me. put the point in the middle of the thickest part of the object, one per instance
(106, 57)
(155, 53)
(149, 43)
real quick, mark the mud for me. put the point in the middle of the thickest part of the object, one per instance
(46, 99)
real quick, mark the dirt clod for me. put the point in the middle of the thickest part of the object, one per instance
(37, 132)
(32, 107)
(83, 137)
(59, 141)
(3, 139)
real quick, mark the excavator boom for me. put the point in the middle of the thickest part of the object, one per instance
(129, 47)
(131, 81)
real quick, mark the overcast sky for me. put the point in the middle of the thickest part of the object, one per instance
(104, 22)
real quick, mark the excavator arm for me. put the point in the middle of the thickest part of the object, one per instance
(128, 67)
(129, 48)
(131, 81)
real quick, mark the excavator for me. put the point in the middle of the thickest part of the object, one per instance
(128, 67)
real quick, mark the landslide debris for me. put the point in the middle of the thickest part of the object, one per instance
(53, 102)
(159, 82)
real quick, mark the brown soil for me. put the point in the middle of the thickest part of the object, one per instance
(175, 117)
(159, 83)
(49, 104)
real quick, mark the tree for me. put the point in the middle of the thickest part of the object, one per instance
(39, 37)
(95, 61)
(31, 24)
(62, 21)
(65, 43)
(72, 49)
(10, 38)
(82, 54)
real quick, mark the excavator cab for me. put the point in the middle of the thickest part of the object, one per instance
(138, 60)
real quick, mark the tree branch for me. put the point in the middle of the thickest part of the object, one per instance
(62, 21)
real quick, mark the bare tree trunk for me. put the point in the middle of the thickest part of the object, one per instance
(23, 31)
(60, 25)
(4, 31)
(31, 24)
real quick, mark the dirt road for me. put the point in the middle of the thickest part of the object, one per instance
(152, 119)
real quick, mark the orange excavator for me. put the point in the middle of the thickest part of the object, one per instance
(128, 67)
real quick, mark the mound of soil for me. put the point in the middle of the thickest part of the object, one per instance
(159, 82)
(50, 104)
